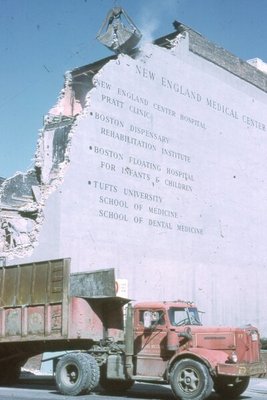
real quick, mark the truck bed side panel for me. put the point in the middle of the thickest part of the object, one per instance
(34, 301)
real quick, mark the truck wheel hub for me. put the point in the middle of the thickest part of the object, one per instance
(189, 380)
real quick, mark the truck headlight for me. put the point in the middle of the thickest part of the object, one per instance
(233, 358)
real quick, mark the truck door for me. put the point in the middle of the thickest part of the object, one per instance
(150, 343)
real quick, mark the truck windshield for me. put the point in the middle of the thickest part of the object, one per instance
(184, 316)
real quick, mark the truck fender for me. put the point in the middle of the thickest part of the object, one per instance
(208, 357)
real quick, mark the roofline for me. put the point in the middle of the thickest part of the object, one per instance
(92, 68)
(204, 48)
(200, 46)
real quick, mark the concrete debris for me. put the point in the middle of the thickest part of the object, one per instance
(23, 196)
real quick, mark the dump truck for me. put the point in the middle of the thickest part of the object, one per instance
(103, 338)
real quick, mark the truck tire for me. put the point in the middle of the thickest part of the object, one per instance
(231, 387)
(73, 374)
(191, 380)
(94, 373)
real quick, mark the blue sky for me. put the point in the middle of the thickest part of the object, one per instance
(42, 39)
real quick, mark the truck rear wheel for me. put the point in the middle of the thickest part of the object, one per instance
(191, 380)
(231, 387)
(74, 374)
(94, 373)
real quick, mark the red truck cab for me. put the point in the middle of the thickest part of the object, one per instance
(171, 344)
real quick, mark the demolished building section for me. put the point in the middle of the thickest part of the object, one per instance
(23, 196)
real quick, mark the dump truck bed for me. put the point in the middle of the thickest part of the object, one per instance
(43, 302)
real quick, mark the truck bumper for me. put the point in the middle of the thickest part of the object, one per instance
(244, 369)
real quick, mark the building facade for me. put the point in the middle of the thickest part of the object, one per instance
(154, 164)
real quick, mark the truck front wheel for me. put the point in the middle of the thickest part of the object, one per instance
(231, 387)
(74, 374)
(191, 380)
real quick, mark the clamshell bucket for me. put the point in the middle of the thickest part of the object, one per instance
(117, 36)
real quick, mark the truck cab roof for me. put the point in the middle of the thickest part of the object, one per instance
(164, 304)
